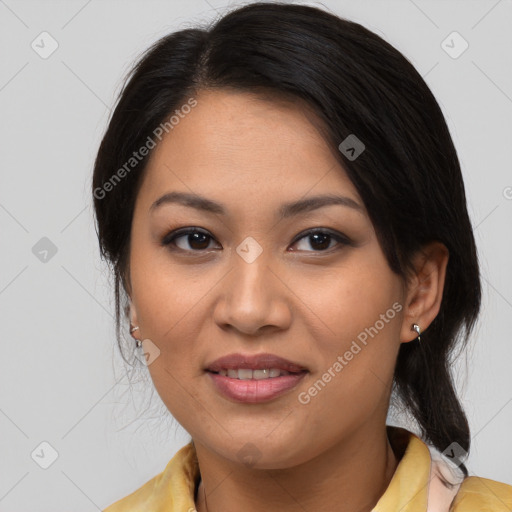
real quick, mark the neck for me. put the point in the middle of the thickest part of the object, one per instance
(349, 476)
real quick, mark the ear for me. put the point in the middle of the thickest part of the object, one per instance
(424, 289)
(133, 317)
(130, 308)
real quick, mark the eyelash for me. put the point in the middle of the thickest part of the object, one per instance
(170, 238)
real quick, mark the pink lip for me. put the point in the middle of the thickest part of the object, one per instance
(254, 391)
(255, 362)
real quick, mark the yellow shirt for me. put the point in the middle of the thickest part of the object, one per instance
(414, 486)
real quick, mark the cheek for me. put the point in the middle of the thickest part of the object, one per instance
(358, 338)
(351, 301)
(163, 291)
(162, 304)
(168, 304)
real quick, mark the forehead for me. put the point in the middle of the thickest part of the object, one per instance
(232, 140)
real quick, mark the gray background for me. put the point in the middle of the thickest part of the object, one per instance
(61, 377)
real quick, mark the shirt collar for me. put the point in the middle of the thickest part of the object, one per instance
(407, 491)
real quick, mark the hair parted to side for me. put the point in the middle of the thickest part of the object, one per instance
(409, 175)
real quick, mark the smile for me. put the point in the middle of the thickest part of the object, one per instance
(248, 374)
(254, 386)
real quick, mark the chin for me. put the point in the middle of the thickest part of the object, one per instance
(261, 452)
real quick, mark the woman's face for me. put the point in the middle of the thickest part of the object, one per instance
(250, 280)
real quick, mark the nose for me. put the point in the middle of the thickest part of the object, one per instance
(253, 298)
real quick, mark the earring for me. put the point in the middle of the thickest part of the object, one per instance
(416, 327)
(138, 343)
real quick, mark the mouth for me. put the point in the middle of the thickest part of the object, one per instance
(254, 378)
(253, 374)
(254, 362)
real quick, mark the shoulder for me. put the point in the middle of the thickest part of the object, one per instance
(471, 494)
(138, 500)
(482, 495)
(169, 491)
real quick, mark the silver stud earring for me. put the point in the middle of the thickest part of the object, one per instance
(138, 343)
(416, 327)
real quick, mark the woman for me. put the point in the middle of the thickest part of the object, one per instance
(283, 208)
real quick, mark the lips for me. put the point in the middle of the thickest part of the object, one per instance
(254, 362)
(253, 379)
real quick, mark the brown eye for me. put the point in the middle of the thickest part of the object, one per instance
(189, 239)
(198, 240)
(320, 240)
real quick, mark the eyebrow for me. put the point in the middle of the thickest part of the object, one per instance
(286, 210)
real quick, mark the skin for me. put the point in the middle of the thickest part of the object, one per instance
(299, 300)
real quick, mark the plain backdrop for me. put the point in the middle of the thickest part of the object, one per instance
(62, 382)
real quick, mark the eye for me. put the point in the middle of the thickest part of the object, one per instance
(193, 239)
(320, 239)
(188, 239)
